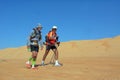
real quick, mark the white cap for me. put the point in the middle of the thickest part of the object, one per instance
(54, 27)
(39, 25)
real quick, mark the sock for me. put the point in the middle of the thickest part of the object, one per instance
(33, 61)
(30, 58)
(33, 66)
(56, 62)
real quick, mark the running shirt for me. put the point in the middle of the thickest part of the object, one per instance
(52, 37)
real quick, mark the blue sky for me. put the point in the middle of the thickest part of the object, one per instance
(76, 19)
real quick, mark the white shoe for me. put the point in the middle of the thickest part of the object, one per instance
(57, 64)
(42, 63)
(28, 65)
(34, 68)
(28, 62)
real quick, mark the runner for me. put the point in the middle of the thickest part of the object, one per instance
(35, 39)
(51, 41)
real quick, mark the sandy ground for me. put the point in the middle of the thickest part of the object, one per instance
(82, 60)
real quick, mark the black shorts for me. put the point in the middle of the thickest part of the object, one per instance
(48, 47)
(34, 48)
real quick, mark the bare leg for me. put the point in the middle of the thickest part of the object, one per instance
(34, 54)
(56, 53)
(45, 55)
(56, 57)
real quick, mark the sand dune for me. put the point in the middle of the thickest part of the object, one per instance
(82, 60)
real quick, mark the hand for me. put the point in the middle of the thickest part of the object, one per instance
(58, 43)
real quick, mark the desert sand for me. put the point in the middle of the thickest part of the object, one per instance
(82, 60)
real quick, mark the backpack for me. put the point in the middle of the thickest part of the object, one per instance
(36, 34)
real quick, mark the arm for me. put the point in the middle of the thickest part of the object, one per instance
(40, 44)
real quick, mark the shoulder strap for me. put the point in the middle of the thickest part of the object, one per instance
(40, 35)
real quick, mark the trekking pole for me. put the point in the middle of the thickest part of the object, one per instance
(52, 60)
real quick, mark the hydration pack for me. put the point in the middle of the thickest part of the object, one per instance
(36, 34)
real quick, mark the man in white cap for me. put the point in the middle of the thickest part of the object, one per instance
(51, 41)
(35, 39)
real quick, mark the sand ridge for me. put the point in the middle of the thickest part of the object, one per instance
(82, 60)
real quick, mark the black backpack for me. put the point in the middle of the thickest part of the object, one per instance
(36, 33)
